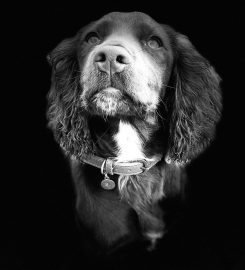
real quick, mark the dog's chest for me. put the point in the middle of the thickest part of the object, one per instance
(129, 143)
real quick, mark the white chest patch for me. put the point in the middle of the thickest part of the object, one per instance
(128, 142)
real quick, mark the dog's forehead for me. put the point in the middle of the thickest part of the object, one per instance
(127, 21)
(128, 18)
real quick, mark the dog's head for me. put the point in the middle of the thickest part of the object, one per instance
(128, 65)
(128, 59)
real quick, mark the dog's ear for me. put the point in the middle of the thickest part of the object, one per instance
(196, 102)
(65, 115)
(62, 54)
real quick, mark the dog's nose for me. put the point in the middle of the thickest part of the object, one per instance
(112, 59)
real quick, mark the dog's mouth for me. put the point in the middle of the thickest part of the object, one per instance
(112, 96)
(110, 102)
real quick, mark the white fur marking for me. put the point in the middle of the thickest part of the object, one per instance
(128, 142)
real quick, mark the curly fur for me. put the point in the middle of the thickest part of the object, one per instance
(67, 118)
(196, 106)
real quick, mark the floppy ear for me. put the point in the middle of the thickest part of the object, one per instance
(65, 115)
(196, 104)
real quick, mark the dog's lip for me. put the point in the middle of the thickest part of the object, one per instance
(115, 92)
(108, 92)
(111, 90)
(112, 93)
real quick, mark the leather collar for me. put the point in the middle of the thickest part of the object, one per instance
(113, 166)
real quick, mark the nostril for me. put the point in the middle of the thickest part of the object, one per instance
(120, 59)
(100, 57)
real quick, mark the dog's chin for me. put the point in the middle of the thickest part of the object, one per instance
(110, 102)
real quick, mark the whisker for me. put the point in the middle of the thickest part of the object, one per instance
(160, 116)
(168, 86)
(163, 102)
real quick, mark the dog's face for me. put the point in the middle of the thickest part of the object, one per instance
(125, 62)
(127, 65)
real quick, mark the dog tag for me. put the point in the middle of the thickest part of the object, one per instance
(107, 183)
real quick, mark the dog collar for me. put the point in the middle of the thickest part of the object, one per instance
(113, 166)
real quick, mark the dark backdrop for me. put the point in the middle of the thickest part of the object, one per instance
(38, 202)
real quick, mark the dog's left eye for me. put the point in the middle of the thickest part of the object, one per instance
(92, 38)
(154, 42)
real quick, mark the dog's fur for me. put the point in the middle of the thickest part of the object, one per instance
(128, 87)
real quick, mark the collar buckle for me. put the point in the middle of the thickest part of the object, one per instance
(144, 168)
(107, 166)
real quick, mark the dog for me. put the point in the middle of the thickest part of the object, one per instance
(131, 104)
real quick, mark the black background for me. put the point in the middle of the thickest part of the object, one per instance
(38, 202)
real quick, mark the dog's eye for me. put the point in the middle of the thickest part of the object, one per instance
(92, 38)
(154, 42)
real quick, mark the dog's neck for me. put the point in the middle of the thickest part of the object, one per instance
(125, 138)
(129, 142)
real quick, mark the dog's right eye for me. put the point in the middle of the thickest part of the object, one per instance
(92, 38)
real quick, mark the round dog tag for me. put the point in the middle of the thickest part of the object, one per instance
(108, 184)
